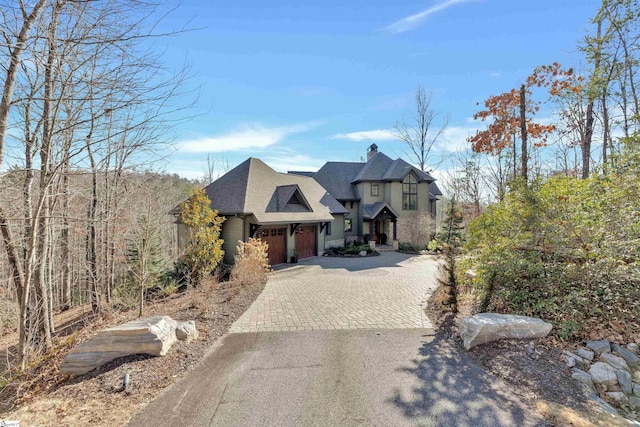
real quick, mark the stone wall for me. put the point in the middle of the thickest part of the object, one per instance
(417, 230)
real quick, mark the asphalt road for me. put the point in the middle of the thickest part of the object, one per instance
(386, 377)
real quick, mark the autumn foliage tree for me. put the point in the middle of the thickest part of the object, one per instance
(512, 115)
(204, 247)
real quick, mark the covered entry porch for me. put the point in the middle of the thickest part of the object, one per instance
(382, 222)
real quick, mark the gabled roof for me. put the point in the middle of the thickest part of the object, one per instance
(372, 211)
(374, 169)
(336, 177)
(254, 188)
(382, 168)
(288, 198)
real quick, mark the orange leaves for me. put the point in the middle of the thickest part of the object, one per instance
(556, 79)
(499, 133)
(503, 110)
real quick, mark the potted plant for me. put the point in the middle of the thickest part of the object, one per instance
(294, 256)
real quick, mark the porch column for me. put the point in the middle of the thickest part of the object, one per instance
(395, 229)
(371, 227)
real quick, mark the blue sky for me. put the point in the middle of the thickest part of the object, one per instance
(297, 83)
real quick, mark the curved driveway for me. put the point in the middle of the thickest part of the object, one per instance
(322, 293)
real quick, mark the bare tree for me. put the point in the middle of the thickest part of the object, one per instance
(420, 132)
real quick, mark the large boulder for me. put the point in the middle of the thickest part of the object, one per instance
(486, 327)
(150, 335)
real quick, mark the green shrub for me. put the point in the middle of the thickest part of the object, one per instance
(566, 250)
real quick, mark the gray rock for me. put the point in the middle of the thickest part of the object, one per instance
(585, 354)
(636, 375)
(600, 346)
(363, 253)
(636, 389)
(582, 363)
(486, 327)
(629, 356)
(624, 378)
(605, 406)
(601, 373)
(615, 361)
(186, 331)
(617, 396)
(150, 335)
(571, 362)
(582, 376)
(635, 401)
(529, 349)
(633, 347)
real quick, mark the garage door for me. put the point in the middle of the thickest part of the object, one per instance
(306, 241)
(276, 239)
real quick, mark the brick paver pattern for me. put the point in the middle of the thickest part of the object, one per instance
(386, 291)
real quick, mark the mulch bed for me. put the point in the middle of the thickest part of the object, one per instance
(98, 398)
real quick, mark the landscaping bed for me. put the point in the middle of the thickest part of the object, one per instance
(43, 396)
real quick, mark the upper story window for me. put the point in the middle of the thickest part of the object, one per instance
(410, 193)
(375, 190)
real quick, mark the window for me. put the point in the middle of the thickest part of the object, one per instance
(375, 190)
(328, 229)
(410, 193)
(347, 225)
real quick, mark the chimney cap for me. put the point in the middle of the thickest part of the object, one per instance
(373, 147)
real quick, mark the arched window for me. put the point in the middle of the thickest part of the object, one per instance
(410, 193)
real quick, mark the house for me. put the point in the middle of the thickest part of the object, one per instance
(305, 213)
(290, 212)
(387, 199)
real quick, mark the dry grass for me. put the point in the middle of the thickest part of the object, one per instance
(561, 415)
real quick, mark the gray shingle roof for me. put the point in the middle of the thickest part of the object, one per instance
(336, 178)
(371, 211)
(434, 189)
(382, 168)
(254, 188)
(374, 169)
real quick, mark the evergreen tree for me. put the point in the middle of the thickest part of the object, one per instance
(451, 237)
(452, 228)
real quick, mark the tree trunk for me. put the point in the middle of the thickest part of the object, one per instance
(523, 132)
(64, 243)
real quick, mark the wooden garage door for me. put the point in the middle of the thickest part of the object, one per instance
(276, 238)
(306, 241)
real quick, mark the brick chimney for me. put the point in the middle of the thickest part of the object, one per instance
(372, 151)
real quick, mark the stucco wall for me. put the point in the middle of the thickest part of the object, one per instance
(232, 231)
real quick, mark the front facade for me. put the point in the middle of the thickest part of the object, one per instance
(386, 199)
(301, 214)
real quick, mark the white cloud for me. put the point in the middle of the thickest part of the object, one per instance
(454, 139)
(249, 136)
(494, 74)
(298, 162)
(368, 135)
(413, 21)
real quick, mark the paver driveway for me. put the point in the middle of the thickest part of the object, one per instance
(386, 291)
